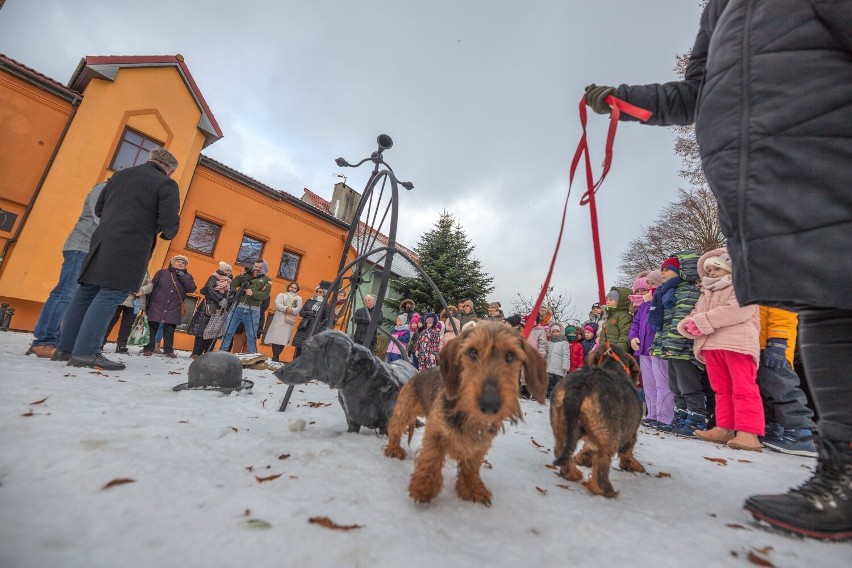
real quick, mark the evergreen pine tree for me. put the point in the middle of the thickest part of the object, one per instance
(446, 255)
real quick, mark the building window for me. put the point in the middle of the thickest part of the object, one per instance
(250, 251)
(289, 266)
(133, 150)
(203, 236)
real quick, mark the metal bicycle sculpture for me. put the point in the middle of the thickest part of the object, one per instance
(373, 238)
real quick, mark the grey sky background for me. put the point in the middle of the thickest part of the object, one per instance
(480, 98)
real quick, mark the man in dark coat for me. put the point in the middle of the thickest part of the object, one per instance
(768, 87)
(136, 204)
(362, 318)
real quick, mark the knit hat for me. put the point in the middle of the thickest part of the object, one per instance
(654, 279)
(722, 261)
(179, 257)
(495, 305)
(468, 304)
(671, 263)
(415, 317)
(403, 319)
(557, 326)
(640, 282)
(514, 320)
(224, 266)
(613, 295)
(571, 332)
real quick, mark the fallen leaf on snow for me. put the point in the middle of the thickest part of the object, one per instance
(28, 413)
(720, 461)
(663, 474)
(283, 456)
(263, 403)
(118, 481)
(98, 371)
(563, 486)
(735, 526)
(249, 467)
(550, 466)
(759, 560)
(268, 478)
(534, 443)
(121, 381)
(293, 477)
(744, 461)
(317, 404)
(174, 372)
(235, 429)
(540, 490)
(247, 512)
(183, 421)
(256, 524)
(329, 524)
(764, 550)
(39, 401)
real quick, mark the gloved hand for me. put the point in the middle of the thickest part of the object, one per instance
(179, 272)
(693, 329)
(223, 303)
(775, 353)
(595, 97)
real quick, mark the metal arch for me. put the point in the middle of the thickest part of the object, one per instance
(352, 270)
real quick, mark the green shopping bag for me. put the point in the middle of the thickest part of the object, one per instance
(140, 333)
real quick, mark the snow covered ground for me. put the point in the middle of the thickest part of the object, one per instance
(197, 461)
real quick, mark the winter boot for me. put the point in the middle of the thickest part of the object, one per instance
(694, 421)
(44, 351)
(819, 508)
(678, 421)
(717, 435)
(798, 442)
(745, 441)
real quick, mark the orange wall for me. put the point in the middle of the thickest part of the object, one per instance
(154, 101)
(241, 210)
(31, 122)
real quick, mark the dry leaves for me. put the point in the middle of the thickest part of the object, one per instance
(39, 401)
(720, 461)
(174, 372)
(235, 429)
(268, 478)
(329, 524)
(550, 466)
(28, 413)
(663, 474)
(534, 443)
(744, 461)
(98, 371)
(540, 490)
(317, 404)
(183, 421)
(563, 486)
(754, 558)
(283, 456)
(118, 481)
(735, 526)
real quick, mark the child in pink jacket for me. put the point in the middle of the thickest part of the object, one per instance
(727, 340)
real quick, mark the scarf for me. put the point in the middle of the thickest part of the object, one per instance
(558, 338)
(655, 314)
(637, 299)
(223, 283)
(714, 284)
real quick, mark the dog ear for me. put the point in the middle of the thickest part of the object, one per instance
(535, 372)
(635, 371)
(450, 365)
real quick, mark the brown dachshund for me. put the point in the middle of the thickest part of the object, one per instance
(598, 404)
(466, 400)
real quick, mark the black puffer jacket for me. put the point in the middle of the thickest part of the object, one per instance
(768, 86)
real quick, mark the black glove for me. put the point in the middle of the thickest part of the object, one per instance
(179, 272)
(775, 353)
(165, 238)
(223, 303)
(595, 97)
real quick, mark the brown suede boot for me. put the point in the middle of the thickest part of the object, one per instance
(745, 441)
(717, 435)
(45, 351)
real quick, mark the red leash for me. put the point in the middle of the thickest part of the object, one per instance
(588, 198)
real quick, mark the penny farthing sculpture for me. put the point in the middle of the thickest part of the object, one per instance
(369, 254)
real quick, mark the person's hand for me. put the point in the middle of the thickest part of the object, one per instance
(164, 237)
(138, 293)
(634, 343)
(693, 329)
(248, 291)
(775, 353)
(223, 303)
(595, 98)
(179, 272)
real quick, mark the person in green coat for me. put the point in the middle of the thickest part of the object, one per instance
(251, 289)
(616, 324)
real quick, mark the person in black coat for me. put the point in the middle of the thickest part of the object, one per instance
(767, 86)
(217, 293)
(312, 310)
(361, 318)
(166, 303)
(136, 204)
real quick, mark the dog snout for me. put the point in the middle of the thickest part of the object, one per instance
(489, 399)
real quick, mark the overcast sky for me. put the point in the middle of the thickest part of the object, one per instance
(480, 98)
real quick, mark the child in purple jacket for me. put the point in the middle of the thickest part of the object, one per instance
(655, 371)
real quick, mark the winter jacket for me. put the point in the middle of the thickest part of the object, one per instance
(145, 288)
(311, 310)
(260, 286)
(640, 329)
(776, 323)
(723, 323)
(280, 331)
(427, 347)
(538, 339)
(80, 237)
(403, 335)
(668, 342)
(447, 332)
(780, 170)
(558, 355)
(210, 304)
(170, 288)
(136, 204)
(577, 355)
(361, 318)
(616, 325)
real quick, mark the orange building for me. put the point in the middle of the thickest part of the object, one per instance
(58, 141)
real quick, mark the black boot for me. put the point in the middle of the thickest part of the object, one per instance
(822, 506)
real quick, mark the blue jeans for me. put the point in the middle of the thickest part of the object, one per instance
(250, 320)
(46, 330)
(87, 318)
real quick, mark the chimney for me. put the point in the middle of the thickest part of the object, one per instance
(344, 202)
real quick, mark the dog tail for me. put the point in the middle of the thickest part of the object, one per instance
(571, 409)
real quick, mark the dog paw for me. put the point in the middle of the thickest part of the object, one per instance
(631, 464)
(396, 452)
(604, 490)
(477, 495)
(571, 474)
(423, 491)
(584, 457)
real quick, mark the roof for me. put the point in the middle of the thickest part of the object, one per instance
(106, 67)
(399, 266)
(36, 79)
(260, 187)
